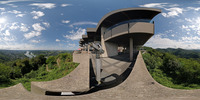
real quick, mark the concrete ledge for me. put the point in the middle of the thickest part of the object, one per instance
(141, 27)
(17, 92)
(77, 80)
(37, 90)
(77, 52)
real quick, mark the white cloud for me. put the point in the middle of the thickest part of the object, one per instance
(8, 39)
(191, 39)
(35, 41)
(23, 28)
(64, 5)
(194, 8)
(44, 5)
(37, 27)
(11, 1)
(20, 15)
(46, 24)
(12, 5)
(173, 12)
(2, 9)
(185, 28)
(15, 12)
(154, 5)
(37, 31)
(7, 33)
(65, 21)
(17, 46)
(37, 14)
(12, 12)
(83, 23)
(57, 40)
(14, 26)
(75, 35)
(32, 34)
(158, 42)
(189, 20)
(192, 25)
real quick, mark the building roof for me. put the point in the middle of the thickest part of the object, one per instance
(126, 14)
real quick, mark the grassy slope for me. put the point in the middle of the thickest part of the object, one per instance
(43, 75)
(56, 71)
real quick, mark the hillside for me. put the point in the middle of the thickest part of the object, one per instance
(11, 55)
(182, 53)
(175, 68)
(18, 68)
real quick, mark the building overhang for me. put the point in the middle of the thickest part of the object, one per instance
(85, 38)
(91, 34)
(126, 14)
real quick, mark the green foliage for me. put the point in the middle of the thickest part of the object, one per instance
(67, 57)
(16, 72)
(173, 71)
(4, 73)
(40, 60)
(26, 70)
(51, 60)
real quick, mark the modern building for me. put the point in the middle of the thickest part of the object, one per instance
(124, 29)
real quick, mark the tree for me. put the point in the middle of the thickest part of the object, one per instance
(26, 66)
(16, 72)
(171, 65)
(51, 60)
(4, 73)
(40, 59)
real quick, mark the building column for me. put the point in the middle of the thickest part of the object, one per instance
(103, 43)
(131, 49)
(88, 48)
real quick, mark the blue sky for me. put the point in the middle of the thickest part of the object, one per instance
(59, 24)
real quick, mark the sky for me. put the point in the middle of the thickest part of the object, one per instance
(59, 24)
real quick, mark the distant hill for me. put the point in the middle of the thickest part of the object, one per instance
(11, 55)
(182, 53)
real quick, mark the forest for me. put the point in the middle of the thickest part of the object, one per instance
(174, 68)
(16, 68)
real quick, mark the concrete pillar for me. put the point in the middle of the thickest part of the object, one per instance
(85, 48)
(88, 48)
(98, 70)
(103, 29)
(131, 49)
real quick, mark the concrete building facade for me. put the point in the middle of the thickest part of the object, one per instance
(128, 28)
